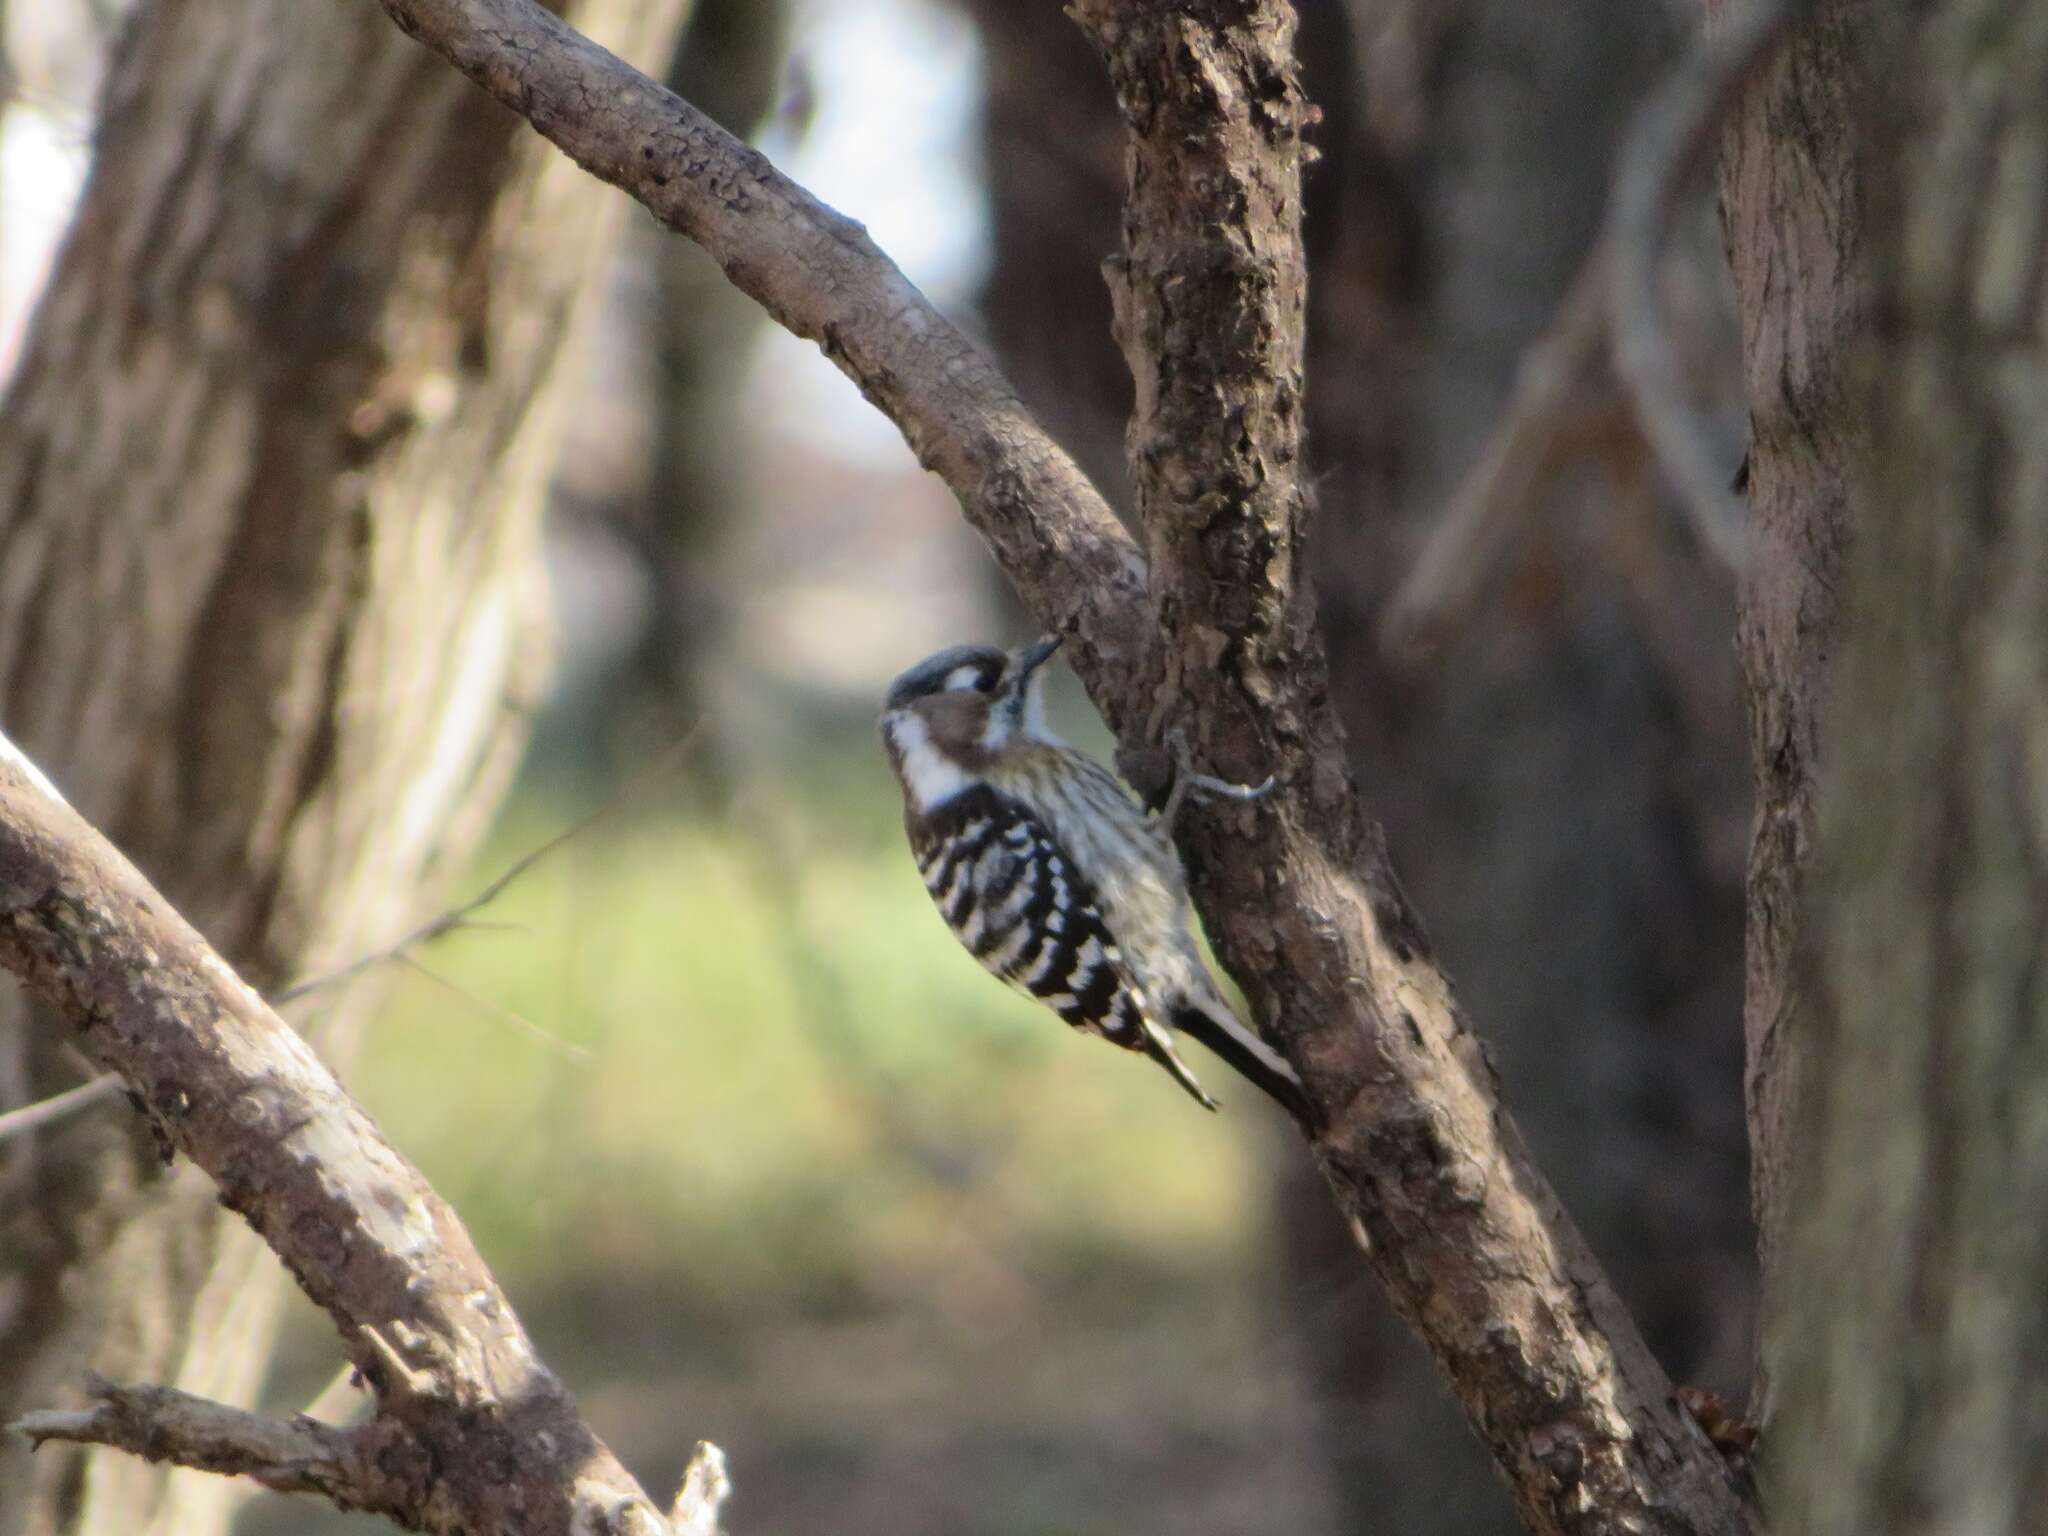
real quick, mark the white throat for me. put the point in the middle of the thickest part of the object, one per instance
(1030, 723)
(1034, 712)
(930, 778)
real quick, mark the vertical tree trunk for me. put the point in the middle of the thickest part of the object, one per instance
(1914, 1356)
(269, 482)
(1791, 175)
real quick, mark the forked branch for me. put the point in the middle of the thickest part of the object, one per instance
(1464, 1233)
(471, 1431)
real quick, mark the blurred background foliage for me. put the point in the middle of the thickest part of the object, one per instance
(761, 1156)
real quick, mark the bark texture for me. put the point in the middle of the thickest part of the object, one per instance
(1559, 781)
(471, 1432)
(269, 477)
(1914, 1338)
(1792, 168)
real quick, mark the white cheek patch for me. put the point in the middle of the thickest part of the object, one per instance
(928, 774)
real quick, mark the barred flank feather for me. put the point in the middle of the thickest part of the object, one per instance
(1022, 909)
(1027, 909)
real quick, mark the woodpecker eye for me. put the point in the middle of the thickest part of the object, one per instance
(977, 675)
(958, 669)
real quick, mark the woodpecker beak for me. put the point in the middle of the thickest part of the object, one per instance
(1027, 659)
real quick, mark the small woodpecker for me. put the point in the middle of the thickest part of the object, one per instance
(1048, 871)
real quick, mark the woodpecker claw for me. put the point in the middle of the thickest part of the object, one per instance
(1186, 781)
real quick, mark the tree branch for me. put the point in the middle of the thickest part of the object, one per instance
(1469, 1240)
(1475, 529)
(820, 276)
(471, 1431)
(299, 1455)
(43, 1113)
(458, 918)
(1797, 163)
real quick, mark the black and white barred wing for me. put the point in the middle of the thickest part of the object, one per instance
(1012, 895)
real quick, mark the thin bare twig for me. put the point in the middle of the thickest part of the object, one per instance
(1478, 523)
(459, 917)
(59, 1106)
(493, 1010)
(1666, 150)
(462, 918)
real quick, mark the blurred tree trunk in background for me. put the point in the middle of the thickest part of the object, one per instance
(1793, 171)
(1562, 789)
(698, 331)
(270, 475)
(1911, 1345)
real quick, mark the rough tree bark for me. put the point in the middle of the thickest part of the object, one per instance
(1210, 301)
(1792, 169)
(1913, 1347)
(269, 474)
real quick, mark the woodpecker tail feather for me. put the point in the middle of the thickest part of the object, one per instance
(1257, 1062)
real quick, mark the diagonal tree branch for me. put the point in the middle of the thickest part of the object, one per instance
(1500, 494)
(456, 919)
(819, 275)
(471, 1431)
(1671, 141)
(300, 1455)
(1468, 1238)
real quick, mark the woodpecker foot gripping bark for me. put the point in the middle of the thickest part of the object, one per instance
(1187, 782)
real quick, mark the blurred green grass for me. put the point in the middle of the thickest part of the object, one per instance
(739, 1044)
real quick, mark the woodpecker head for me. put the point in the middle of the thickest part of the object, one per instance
(953, 711)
